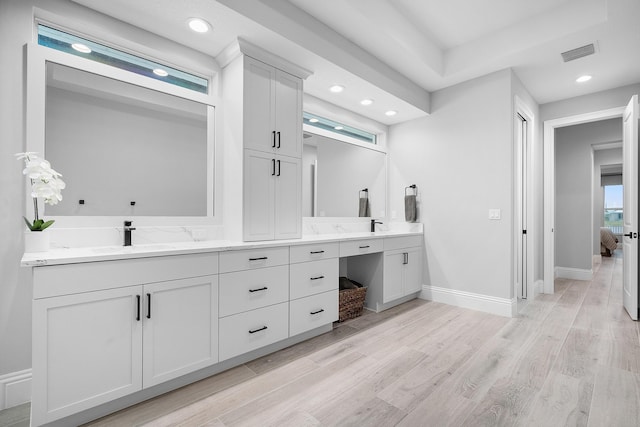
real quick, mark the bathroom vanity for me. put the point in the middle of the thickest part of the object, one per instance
(113, 326)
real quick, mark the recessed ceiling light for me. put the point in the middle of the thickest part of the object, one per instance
(583, 79)
(199, 25)
(336, 88)
(338, 128)
(391, 113)
(81, 47)
(313, 120)
(160, 72)
(366, 101)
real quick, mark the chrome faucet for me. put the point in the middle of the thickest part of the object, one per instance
(127, 233)
(373, 225)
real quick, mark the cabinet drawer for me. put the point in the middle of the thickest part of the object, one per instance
(314, 252)
(360, 247)
(253, 258)
(247, 290)
(248, 331)
(310, 278)
(391, 243)
(92, 276)
(312, 312)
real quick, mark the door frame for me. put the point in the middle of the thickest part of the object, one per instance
(522, 109)
(549, 165)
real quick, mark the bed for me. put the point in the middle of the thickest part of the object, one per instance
(608, 242)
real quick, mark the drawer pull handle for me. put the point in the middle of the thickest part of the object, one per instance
(317, 312)
(264, 288)
(365, 247)
(317, 278)
(258, 330)
(138, 303)
(316, 252)
(148, 306)
(258, 259)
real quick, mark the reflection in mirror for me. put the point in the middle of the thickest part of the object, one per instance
(124, 149)
(335, 172)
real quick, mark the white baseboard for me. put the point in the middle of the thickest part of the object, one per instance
(597, 259)
(15, 389)
(574, 273)
(494, 305)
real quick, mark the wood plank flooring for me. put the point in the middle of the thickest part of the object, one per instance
(571, 358)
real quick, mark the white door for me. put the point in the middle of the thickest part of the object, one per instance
(413, 271)
(180, 328)
(630, 209)
(521, 141)
(259, 190)
(288, 114)
(89, 349)
(288, 198)
(393, 276)
(259, 106)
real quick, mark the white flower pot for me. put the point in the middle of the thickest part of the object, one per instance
(36, 241)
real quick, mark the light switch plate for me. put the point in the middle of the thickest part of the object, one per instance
(494, 214)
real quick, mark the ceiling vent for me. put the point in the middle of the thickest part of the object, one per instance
(579, 52)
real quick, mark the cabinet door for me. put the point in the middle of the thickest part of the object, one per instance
(259, 106)
(288, 114)
(259, 190)
(87, 350)
(180, 328)
(413, 271)
(288, 198)
(393, 287)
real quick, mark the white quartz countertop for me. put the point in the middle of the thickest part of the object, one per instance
(109, 253)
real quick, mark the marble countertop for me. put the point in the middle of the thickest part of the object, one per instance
(108, 253)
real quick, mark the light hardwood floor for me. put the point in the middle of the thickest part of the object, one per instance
(571, 358)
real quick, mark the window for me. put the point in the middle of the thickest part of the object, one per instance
(78, 46)
(613, 208)
(338, 128)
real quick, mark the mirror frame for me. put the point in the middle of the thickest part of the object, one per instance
(37, 59)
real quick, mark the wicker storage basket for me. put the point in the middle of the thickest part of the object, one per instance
(351, 303)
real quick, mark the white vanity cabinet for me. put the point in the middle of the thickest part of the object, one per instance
(313, 286)
(272, 196)
(402, 267)
(273, 109)
(98, 336)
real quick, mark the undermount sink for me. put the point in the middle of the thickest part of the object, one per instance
(130, 249)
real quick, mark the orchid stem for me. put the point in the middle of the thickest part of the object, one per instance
(35, 206)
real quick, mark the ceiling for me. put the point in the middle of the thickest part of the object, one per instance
(397, 52)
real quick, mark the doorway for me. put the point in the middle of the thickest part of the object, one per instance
(549, 166)
(523, 127)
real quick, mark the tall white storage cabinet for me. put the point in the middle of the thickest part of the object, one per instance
(263, 145)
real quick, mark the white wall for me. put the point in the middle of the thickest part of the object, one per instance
(461, 159)
(15, 285)
(574, 225)
(604, 100)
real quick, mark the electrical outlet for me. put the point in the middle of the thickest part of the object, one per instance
(494, 214)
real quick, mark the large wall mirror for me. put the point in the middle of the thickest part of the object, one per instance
(334, 175)
(126, 147)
